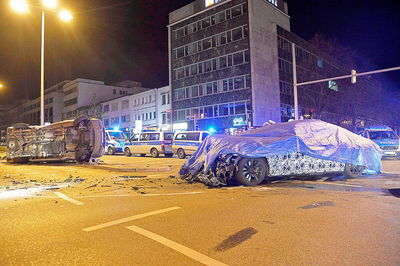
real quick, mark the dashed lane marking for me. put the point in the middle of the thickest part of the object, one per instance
(65, 197)
(172, 194)
(176, 246)
(128, 219)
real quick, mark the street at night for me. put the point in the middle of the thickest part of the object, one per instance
(199, 132)
(136, 211)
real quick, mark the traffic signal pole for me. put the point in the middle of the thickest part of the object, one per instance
(353, 77)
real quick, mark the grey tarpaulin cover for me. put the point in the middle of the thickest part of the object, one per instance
(311, 137)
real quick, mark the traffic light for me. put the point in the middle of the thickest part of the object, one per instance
(354, 77)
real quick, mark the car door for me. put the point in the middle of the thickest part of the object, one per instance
(134, 141)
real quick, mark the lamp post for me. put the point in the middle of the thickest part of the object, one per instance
(22, 6)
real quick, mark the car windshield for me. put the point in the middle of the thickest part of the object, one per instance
(382, 135)
(168, 136)
(118, 135)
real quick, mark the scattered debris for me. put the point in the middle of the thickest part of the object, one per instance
(236, 239)
(171, 176)
(318, 204)
(135, 188)
(133, 176)
(92, 186)
(105, 186)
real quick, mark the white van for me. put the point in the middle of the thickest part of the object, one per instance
(186, 143)
(154, 143)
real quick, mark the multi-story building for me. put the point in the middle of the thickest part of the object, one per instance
(151, 108)
(224, 62)
(231, 64)
(81, 93)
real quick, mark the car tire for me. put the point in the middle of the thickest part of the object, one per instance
(80, 119)
(110, 151)
(20, 126)
(169, 155)
(181, 154)
(154, 152)
(127, 152)
(251, 171)
(143, 154)
(352, 171)
(12, 145)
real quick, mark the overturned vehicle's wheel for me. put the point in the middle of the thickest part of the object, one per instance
(352, 171)
(251, 171)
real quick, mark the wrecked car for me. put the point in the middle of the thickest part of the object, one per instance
(297, 148)
(80, 140)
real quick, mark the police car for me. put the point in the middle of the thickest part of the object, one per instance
(186, 143)
(385, 137)
(153, 143)
(115, 141)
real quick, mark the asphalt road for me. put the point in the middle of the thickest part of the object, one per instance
(135, 211)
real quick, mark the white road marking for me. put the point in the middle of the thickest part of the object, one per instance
(141, 195)
(128, 219)
(176, 246)
(171, 194)
(65, 197)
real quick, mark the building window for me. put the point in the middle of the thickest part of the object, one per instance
(125, 104)
(126, 119)
(106, 122)
(71, 102)
(114, 91)
(106, 108)
(114, 107)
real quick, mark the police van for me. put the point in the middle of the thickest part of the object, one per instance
(115, 141)
(385, 137)
(186, 143)
(153, 143)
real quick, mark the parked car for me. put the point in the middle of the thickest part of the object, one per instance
(115, 141)
(154, 143)
(186, 143)
(387, 140)
(79, 140)
(305, 147)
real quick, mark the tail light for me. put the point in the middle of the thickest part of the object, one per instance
(163, 145)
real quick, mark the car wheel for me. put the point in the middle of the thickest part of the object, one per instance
(127, 152)
(110, 151)
(20, 126)
(154, 152)
(169, 155)
(80, 119)
(181, 154)
(352, 171)
(12, 144)
(142, 154)
(251, 171)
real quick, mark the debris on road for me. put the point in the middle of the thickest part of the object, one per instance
(319, 204)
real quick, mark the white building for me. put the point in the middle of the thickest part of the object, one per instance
(84, 92)
(151, 108)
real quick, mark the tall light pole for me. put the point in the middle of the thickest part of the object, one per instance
(22, 6)
(296, 100)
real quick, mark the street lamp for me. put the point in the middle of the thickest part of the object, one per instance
(21, 6)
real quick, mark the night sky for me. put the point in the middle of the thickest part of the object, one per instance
(114, 40)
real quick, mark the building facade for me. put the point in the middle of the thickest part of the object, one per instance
(81, 93)
(231, 65)
(224, 62)
(149, 109)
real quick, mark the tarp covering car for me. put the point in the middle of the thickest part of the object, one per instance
(314, 138)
